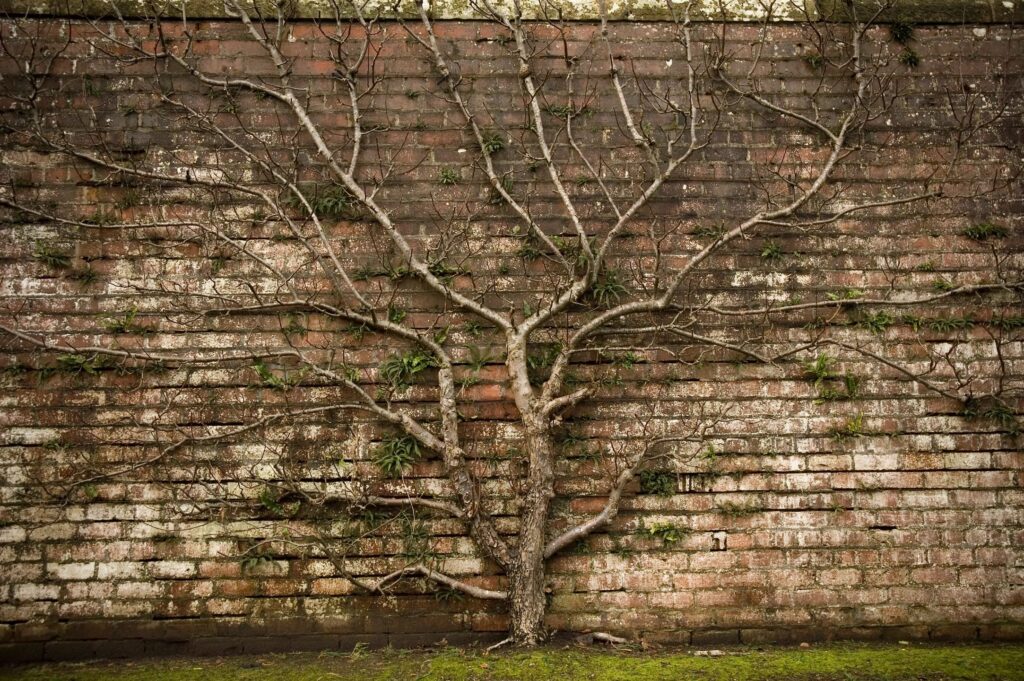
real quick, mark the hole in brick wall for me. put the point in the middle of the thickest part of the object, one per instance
(884, 528)
(719, 539)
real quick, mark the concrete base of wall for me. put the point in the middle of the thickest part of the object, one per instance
(98, 639)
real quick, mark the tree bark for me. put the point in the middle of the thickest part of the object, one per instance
(526, 578)
(527, 601)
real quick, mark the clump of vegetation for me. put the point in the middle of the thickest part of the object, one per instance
(573, 250)
(129, 199)
(399, 370)
(395, 455)
(608, 289)
(993, 409)
(947, 324)
(126, 324)
(496, 198)
(446, 272)
(668, 533)
(715, 231)
(909, 58)
(331, 201)
(100, 218)
(984, 231)
(51, 256)
(912, 320)
(660, 483)
(78, 364)
(814, 60)
(392, 272)
(853, 427)
(1008, 323)
(357, 331)
(530, 248)
(448, 595)
(492, 143)
(537, 363)
(396, 315)
(570, 440)
(845, 294)
(272, 501)
(85, 275)
(268, 379)
(295, 326)
(876, 322)
(560, 110)
(478, 358)
(90, 492)
(254, 562)
(365, 273)
(448, 177)
(737, 510)
(416, 539)
(901, 32)
(218, 262)
(626, 360)
(474, 328)
(771, 253)
(830, 385)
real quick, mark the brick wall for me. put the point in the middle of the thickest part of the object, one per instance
(887, 514)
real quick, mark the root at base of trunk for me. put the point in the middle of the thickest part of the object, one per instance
(600, 637)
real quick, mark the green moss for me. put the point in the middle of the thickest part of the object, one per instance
(825, 663)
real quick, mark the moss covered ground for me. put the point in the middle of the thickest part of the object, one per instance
(819, 663)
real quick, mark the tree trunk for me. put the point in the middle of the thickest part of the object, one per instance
(527, 603)
(526, 569)
(526, 581)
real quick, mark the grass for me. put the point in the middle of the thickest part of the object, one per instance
(845, 662)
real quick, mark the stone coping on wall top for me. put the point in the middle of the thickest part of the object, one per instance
(913, 11)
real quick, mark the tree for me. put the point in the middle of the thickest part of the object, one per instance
(567, 263)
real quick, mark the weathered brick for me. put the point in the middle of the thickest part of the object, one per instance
(71, 571)
(171, 569)
(36, 592)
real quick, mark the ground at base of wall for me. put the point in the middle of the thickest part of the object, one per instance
(846, 662)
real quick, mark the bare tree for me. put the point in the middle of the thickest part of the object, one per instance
(358, 354)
